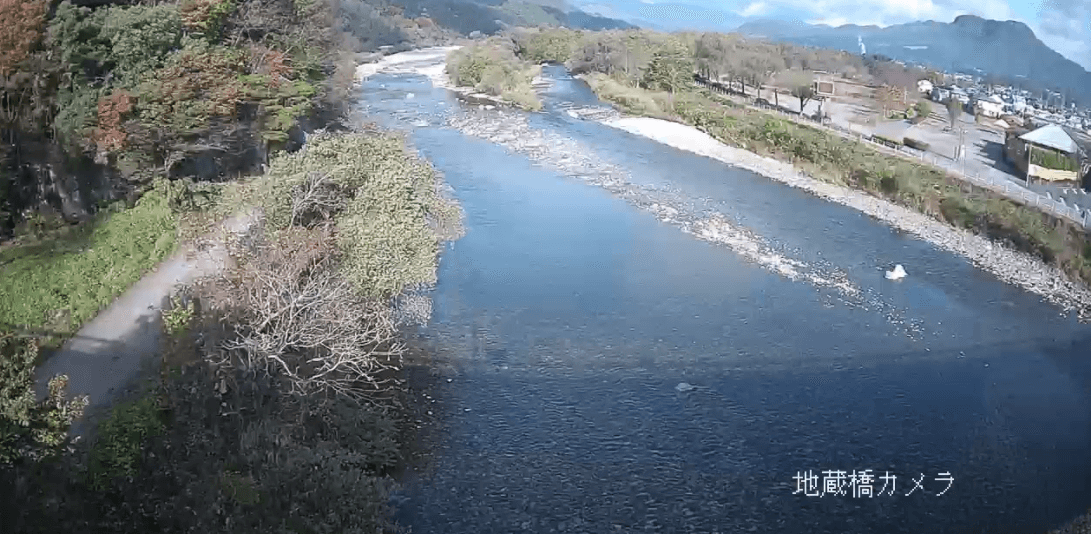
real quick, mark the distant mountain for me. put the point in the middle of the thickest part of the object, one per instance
(968, 44)
(491, 16)
(662, 16)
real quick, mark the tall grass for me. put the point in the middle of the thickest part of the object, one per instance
(62, 282)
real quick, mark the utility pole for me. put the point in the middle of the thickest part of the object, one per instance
(962, 148)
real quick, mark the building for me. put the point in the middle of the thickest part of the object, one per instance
(989, 107)
(941, 94)
(824, 84)
(1047, 154)
(924, 87)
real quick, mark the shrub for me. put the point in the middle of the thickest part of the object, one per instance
(119, 444)
(140, 39)
(914, 143)
(385, 230)
(205, 17)
(494, 69)
(886, 140)
(30, 430)
(923, 109)
(302, 320)
(177, 318)
(631, 99)
(1051, 159)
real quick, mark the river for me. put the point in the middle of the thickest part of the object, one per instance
(601, 364)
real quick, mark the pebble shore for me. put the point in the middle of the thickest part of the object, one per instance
(1009, 265)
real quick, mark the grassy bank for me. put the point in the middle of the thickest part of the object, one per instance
(58, 279)
(633, 70)
(492, 67)
(929, 190)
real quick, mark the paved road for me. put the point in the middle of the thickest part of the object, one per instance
(112, 353)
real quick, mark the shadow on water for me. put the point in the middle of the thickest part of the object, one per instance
(595, 370)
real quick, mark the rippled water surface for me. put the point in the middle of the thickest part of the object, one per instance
(569, 324)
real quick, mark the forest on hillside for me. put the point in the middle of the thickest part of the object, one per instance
(98, 100)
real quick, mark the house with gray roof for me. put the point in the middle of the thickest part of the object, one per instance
(1051, 154)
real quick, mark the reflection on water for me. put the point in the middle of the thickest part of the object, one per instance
(566, 318)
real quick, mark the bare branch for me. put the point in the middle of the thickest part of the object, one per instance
(296, 317)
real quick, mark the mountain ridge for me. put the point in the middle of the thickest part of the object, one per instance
(1007, 49)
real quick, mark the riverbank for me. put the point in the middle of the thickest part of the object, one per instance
(1013, 266)
(1010, 265)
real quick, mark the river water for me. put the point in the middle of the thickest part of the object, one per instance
(601, 365)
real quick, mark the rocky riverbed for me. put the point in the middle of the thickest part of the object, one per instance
(571, 158)
(1011, 266)
(495, 122)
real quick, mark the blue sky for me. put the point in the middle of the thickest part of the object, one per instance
(1064, 25)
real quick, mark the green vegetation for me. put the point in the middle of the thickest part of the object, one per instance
(240, 435)
(613, 63)
(954, 110)
(30, 430)
(923, 109)
(927, 189)
(493, 68)
(633, 100)
(63, 279)
(1051, 159)
(386, 227)
(154, 100)
(198, 88)
(890, 141)
(120, 441)
(552, 45)
(178, 317)
(914, 143)
(670, 69)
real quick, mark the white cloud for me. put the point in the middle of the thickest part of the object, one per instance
(755, 9)
(1064, 25)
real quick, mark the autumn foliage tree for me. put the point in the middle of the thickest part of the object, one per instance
(111, 112)
(21, 26)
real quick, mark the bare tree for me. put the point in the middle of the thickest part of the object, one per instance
(296, 317)
(317, 197)
(801, 85)
(954, 110)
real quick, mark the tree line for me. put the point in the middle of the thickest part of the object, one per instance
(661, 61)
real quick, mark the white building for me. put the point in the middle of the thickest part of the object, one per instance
(987, 108)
